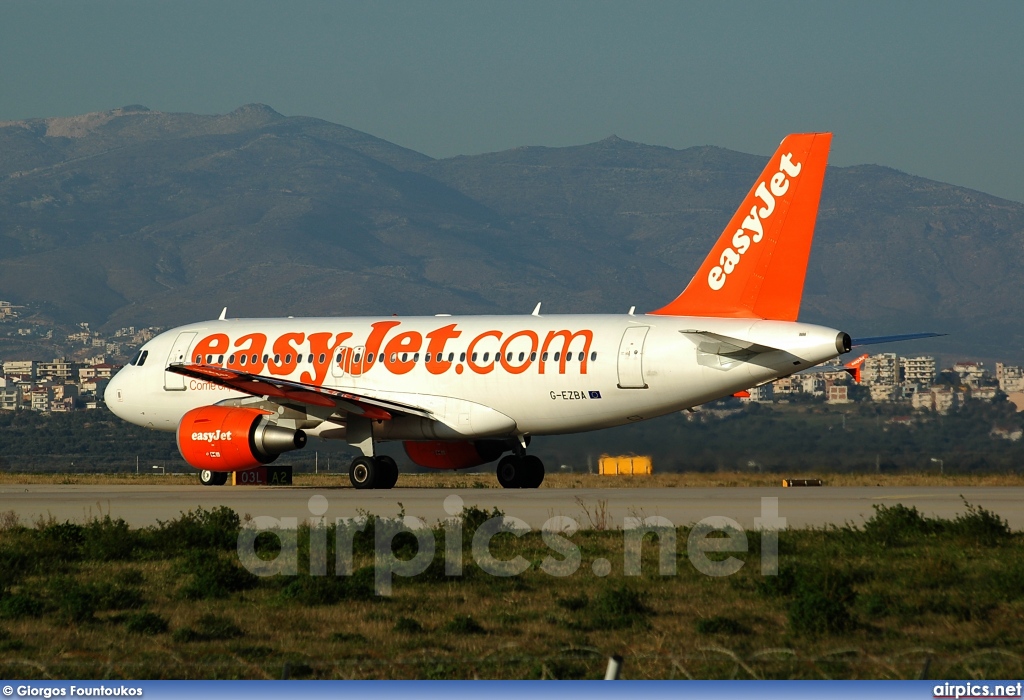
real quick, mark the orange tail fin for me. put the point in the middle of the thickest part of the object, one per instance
(758, 265)
(855, 368)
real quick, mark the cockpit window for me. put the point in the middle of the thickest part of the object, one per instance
(142, 358)
(135, 360)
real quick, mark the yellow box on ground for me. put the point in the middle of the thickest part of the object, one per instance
(626, 464)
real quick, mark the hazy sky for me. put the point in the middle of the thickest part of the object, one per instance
(932, 88)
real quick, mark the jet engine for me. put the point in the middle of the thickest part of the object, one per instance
(438, 454)
(224, 439)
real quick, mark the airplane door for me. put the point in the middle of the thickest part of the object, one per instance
(631, 357)
(339, 362)
(178, 355)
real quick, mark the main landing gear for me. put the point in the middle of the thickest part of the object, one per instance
(212, 478)
(520, 471)
(379, 472)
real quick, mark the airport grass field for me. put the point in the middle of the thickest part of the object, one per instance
(902, 596)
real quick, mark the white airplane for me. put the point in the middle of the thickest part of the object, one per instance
(462, 391)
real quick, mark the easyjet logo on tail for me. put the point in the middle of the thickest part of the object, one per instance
(752, 228)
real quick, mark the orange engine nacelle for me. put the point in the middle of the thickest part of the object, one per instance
(225, 439)
(437, 454)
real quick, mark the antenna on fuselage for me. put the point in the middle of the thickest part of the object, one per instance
(223, 314)
(631, 310)
(536, 309)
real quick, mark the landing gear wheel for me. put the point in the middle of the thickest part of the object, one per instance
(533, 472)
(387, 474)
(510, 472)
(208, 477)
(363, 473)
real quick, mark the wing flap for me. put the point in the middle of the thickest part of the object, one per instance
(284, 389)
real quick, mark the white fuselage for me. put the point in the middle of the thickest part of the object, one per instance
(619, 369)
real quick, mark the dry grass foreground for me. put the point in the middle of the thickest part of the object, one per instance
(900, 597)
(487, 480)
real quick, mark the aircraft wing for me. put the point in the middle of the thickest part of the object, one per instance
(893, 338)
(285, 390)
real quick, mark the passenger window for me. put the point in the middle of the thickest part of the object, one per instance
(209, 359)
(487, 356)
(287, 359)
(474, 357)
(357, 357)
(426, 358)
(322, 358)
(394, 357)
(416, 357)
(544, 357)
(242, 359)
(533, 357)
(199, 359)
(405, 357)
(556, 356)
(369, 358)
(338, 358)
(220, 359)
(522, 356)
(451, 356)
(593, 356)
(310, 358)
(580, 358)
(462, 357)
(277, 359)
(256, 358)
(231, 359)
(265, 357)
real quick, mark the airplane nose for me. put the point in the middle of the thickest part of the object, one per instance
(114, 395)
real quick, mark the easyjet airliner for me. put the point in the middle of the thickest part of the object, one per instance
(464, 391)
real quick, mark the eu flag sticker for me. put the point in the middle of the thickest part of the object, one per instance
(595, 394)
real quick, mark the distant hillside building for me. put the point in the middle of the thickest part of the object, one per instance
(1010, 378)
(885, 392)
(10, 398)
(838, 393)
(761, 394)
(23, 369)
(941, 399)
(918, 370)
(881, 370)
(973, 374)
(60, 369)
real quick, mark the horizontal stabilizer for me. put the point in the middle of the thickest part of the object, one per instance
(877, 340)
(718, 344)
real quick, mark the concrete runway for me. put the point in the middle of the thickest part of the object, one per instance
(802, 507)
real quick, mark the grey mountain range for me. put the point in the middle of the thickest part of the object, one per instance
(136, 217)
